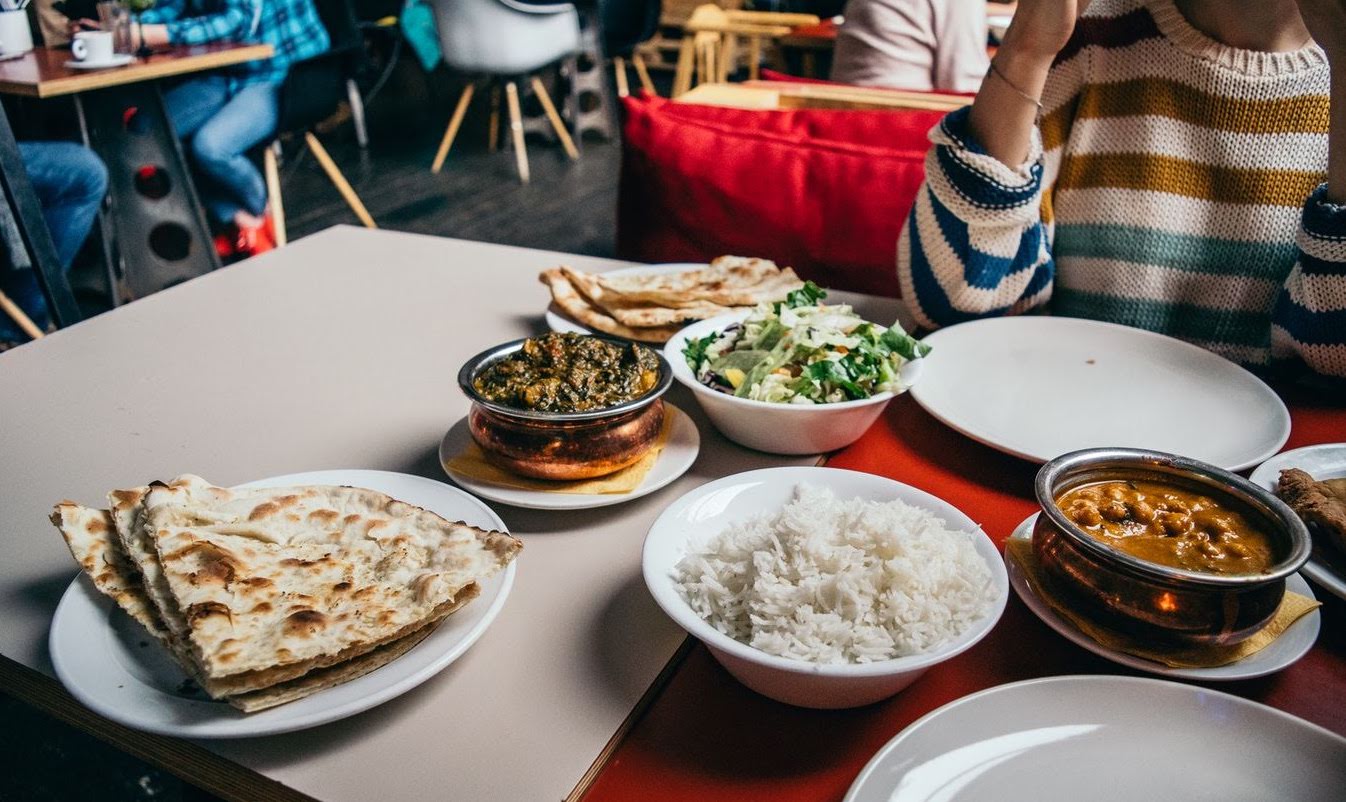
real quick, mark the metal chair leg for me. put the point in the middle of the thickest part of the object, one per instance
(516, 129)
(339, 180)
(357, 112)
(557, 125)
(273, 190)
(452, 131)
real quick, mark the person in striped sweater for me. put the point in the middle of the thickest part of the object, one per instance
(1174, 165)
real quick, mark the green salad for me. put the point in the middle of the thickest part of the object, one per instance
(802, 351)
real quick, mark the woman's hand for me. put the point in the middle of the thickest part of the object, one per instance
(1042, 27)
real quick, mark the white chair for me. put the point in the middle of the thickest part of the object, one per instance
(502, 41)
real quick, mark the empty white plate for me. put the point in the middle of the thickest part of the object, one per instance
(1105, 739)
(1293, 643)
(1327, 566)
(1038, 387)
(111, 665)
(684, 444)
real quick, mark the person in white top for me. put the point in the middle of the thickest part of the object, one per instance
(926, 45)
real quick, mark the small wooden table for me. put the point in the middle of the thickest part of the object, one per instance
(163, 238)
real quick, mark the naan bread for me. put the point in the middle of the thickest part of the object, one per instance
(639, 314)
(727, 281)
(88, 533)
(573, 305)
(265, 578)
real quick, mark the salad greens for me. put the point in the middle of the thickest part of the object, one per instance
(802, 351)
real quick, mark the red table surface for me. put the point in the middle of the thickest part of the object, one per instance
(707, 737)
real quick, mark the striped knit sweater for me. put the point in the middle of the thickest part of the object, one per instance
(1174, 184)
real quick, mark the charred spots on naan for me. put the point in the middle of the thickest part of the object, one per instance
(203, 611)
(304, 622)
(261, 608)
(316, 564)
(341, 587)
(324, 516)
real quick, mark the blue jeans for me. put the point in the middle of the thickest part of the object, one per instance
(70, 182)
(219, 124)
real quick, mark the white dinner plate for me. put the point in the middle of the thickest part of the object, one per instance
(557, 320)
(1327, 566)
(111, 665)
(1293, 644)
(684, 443)
(1038, 387)
(1105, 739)
(119, 60)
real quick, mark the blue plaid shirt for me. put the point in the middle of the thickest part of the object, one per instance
(292, 27)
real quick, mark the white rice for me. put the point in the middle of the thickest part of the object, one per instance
(830, 581)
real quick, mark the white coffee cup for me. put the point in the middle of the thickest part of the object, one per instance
(92, 47)
(15, 35)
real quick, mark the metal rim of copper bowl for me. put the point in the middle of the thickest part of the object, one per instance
(468, 372)
(1093, 464)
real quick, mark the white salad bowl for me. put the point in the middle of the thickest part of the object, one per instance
(705, 512)
(772, 427)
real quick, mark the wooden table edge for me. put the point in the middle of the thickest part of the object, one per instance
(103, 79)
(185, 760)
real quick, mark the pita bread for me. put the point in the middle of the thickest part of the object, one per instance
(269, 577)
(573, 305)
(99, 553)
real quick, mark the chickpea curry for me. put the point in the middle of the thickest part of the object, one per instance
(1170, 525)
(564, 372)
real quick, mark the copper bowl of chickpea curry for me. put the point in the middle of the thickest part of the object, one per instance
(564, 406)
(1165, 548)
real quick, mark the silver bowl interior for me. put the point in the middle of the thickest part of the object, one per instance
(486, 358)
(1101, 464)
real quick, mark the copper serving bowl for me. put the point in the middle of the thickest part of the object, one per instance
(563, 445)
(1155, 602)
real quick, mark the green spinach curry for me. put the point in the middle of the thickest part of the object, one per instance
(569, 373)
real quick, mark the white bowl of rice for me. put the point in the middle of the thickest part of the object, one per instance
(821, 587)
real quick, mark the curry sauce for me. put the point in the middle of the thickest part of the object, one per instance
(564, 373)
(1170, 525)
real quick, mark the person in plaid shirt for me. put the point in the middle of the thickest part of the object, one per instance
(222, 115)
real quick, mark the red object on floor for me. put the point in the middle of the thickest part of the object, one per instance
(824, 191)
(706, 737)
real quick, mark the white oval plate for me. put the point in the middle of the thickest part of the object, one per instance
(684, 443)
(1327, 566)
(1293, 644)
(557, 320)
(701, 514)
(1038, 387)
(117, 60)
(1105, 739)
(111, 665)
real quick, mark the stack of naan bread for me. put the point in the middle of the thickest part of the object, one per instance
(650, 307)
(268, 595)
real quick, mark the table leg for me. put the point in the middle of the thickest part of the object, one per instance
(33, 233)
(105, 235)
(158, 219)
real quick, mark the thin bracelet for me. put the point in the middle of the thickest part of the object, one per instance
(1015, 87)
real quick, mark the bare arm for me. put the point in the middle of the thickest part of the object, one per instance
(1005, 111)
(1326, 20)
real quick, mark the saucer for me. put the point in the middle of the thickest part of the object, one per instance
(119, 60)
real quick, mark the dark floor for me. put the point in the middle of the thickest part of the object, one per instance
(567, 207)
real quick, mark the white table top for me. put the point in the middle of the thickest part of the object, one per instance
(341, 350)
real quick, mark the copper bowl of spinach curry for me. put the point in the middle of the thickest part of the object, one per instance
(565, 406)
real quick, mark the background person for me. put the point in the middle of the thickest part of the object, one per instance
(1176, 181)
(924, 45)
(223, 115)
